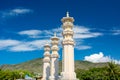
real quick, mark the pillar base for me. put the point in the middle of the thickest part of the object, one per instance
(53, 78)
(68, 76)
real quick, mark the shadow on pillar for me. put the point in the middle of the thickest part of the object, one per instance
(56, 63)
(38, 78)
(47, 73)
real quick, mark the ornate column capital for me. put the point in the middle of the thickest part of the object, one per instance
(46, 60)
(67, 32)
(46, 53)
(54, 48)
(68, 42)
(47, 47)
(54, 56)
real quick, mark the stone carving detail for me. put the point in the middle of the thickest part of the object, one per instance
(46, 53)
(47, 49)
(54, 56)
(67, 25)
(67, 19)
(54, 48)
(46, 60)
(68, 42)
(54, 42)
(68, 32)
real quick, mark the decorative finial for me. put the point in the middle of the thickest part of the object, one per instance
(54, 34)
(67, 14)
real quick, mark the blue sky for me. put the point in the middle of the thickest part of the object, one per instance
(26, 25)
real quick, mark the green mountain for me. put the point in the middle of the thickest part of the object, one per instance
(36, 65)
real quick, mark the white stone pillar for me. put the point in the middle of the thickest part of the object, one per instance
(68, 72)
(54, 68)
(46, 62)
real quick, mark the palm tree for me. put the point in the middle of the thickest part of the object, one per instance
(113, 71)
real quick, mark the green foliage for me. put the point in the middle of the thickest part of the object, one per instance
(13, 75)
(109, 72)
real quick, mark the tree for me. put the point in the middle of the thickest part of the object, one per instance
(109, 72)
(13, 74)
(113, 71)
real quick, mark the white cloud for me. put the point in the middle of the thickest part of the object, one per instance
(29, 45)
(15, 12)
(41, 33)
(96, 58)
(116, 32)
(21, 47)
(31, 33)
(87, 35)
(58, 30)
(79, 45)
(16, 46)
(82, 32)
(38, 44)
(8, 43)
(81, 29)
(116, 61)
(20, 11)
(83, 47)
(100, 58)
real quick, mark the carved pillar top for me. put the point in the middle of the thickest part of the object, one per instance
(67, 18)
(46, 53)
(54, 48)
(47, 50)
(68, 30)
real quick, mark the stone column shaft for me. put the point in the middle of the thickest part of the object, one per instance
(54, 59)
(46, 62)
(68, 49)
